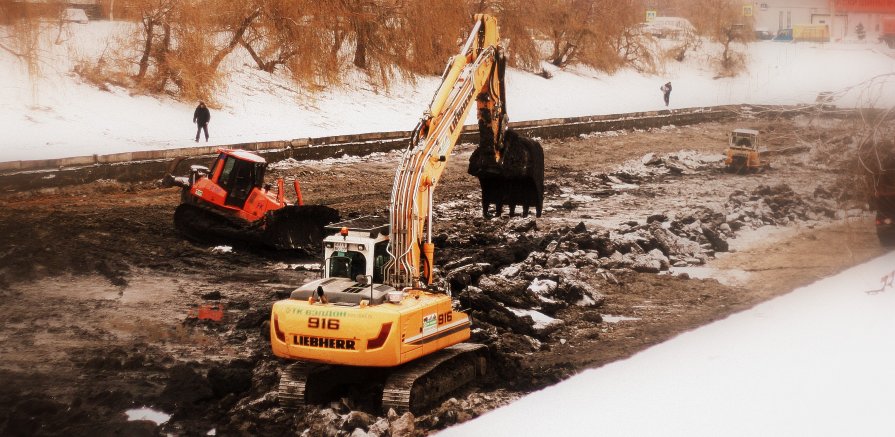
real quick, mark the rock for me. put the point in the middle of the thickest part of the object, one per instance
(323, 422)
(510, 272)
(402, 426)
(578, 293)
(656, 218)
(632, 242)
(646, 264)
(379, 429)
(449, 413)
(512, 292)
(695, 261)
(462, 276)
(557, 260)
(358, 420)
(459, 262)
(657, 255)
(671, 244)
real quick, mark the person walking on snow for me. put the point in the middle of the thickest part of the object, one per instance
(666, 92)
(201, 117)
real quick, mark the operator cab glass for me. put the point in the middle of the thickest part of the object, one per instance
(347, 265)
(238, 177)
(380, 257)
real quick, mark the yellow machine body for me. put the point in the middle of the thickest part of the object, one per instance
(384, 335)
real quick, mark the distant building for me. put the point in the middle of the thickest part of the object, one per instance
(842, 16)
(95, 9)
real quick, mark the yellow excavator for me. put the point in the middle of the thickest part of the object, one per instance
(375, 318)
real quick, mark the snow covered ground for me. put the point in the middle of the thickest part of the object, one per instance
(61, 116)
(819, 361)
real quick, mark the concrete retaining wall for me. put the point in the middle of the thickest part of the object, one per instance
(149, 165)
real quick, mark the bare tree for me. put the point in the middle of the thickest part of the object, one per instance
(587, 32)
(722, 21)
(516, 20)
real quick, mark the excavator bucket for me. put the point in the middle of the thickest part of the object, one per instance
(297, 226)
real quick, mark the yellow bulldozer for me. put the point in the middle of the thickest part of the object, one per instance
(744, 152)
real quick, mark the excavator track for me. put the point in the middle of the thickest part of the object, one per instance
(417, 386)
(293, 381)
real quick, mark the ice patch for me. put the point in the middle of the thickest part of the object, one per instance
(145, 413)
(723, 276)
(541, 320)
(542, 286)
(311, 267)
(615, 319)
(221, 249)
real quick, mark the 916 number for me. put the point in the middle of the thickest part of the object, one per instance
(319, 323)
(445, 317)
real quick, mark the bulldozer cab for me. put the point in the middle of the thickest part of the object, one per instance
(239, 174)
(743, 139)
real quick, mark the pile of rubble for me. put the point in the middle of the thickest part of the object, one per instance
(517, 287)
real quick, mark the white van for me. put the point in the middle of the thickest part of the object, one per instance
(670, 27)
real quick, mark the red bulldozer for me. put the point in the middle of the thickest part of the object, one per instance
(231, 203)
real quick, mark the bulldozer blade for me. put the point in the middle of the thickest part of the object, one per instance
(298, 226)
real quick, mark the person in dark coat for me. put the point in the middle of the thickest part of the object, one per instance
(666, 92)
(201, 117)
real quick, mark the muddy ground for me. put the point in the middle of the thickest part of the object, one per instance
(105, 308)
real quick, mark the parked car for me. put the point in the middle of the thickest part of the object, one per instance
(669, 27)
(763, 34)
(75, 15)
(784, 35)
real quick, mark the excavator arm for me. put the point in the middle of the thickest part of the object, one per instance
(476, 73)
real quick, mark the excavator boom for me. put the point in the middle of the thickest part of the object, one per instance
(475, 73)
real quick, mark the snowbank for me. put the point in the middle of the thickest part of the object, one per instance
(62, 116)
(818, 361)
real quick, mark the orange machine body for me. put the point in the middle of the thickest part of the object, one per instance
(252, 202)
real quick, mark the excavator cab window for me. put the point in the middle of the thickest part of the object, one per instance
(380, 257)
(347, 265)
